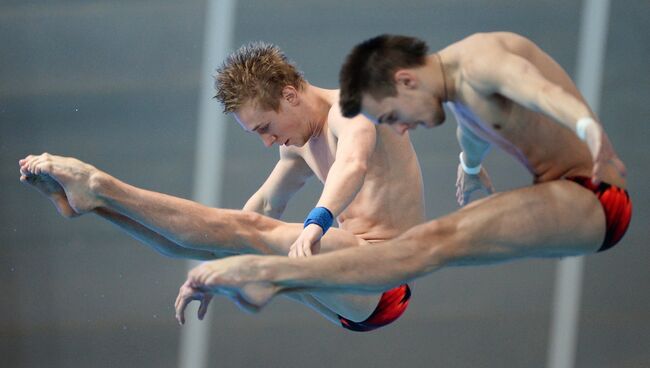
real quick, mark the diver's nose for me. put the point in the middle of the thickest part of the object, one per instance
(268, 139)
(400, 128)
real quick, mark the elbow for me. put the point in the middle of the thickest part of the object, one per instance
(358, 166)
(273, 210)
(260, 203)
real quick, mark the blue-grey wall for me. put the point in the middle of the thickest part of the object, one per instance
(116, 83)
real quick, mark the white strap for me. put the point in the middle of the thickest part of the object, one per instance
(469, 170)
(581, 127)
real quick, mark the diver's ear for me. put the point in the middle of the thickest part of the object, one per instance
(405, 78)
(290, 94)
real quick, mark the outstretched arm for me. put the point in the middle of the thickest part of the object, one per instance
(356, 139)
(521, 81)
(503, 72)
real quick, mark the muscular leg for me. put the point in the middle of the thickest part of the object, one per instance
(156, 241)
(553, 219)
(55, 193)
(186, 223)
(216, 230)
(190, 224)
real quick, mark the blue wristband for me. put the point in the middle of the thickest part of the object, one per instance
(320, 216)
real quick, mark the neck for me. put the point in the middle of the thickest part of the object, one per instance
(440, 78)
(318, 102)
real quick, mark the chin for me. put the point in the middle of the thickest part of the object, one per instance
(433, 123)
(438, 120)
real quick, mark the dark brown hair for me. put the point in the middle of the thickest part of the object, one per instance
(255, 72)
(370, 66)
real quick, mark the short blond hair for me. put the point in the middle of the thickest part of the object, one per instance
(255, 72)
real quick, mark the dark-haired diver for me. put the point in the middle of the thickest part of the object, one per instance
(504, 91)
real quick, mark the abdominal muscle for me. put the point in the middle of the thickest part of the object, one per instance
(376, 220)
(391, 199)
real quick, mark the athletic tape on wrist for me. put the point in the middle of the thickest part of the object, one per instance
(320, 216)
(469, 170)
(581, 127)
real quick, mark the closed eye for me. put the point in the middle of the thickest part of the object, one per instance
(389, 118)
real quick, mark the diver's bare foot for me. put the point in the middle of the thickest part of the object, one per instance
(75, 177)
(53, 191)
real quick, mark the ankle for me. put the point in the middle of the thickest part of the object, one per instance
(99, 184)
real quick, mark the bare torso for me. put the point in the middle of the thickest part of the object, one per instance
(550, 151)
(391, 199)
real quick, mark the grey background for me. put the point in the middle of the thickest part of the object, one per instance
(116, 84)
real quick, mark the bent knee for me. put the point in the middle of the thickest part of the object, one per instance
(452, 235)
(441, 228)
(254, 220)
(440, 240)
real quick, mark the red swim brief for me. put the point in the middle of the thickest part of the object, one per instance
(391, 306)
(617, 206)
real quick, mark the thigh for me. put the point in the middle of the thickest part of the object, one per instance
(553, 219)
(278, 236)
